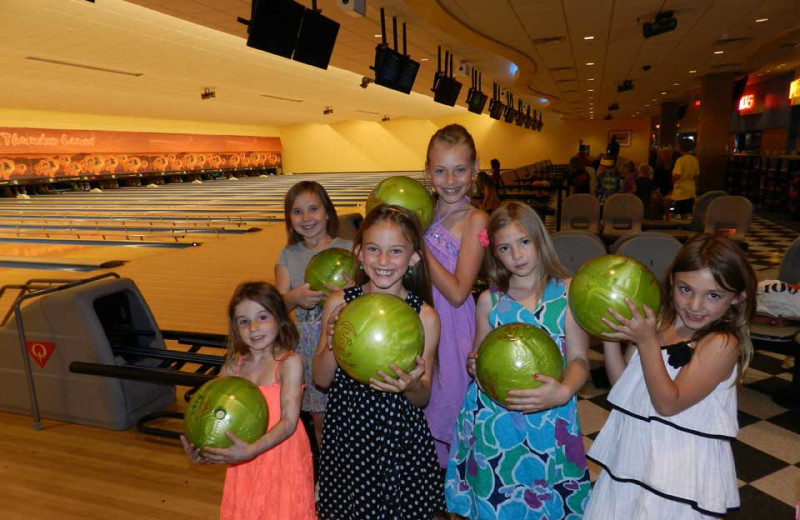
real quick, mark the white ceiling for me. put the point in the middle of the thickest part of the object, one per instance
(181, 46)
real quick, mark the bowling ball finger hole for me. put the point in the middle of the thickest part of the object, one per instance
(219, 413)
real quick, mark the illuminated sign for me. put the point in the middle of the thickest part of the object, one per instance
(747, 102)
(794, 91)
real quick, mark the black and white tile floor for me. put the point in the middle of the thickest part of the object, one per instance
(767, 450)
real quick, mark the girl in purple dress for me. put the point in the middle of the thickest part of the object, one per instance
(453, 254)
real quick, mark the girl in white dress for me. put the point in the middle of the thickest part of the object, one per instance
(665, 450)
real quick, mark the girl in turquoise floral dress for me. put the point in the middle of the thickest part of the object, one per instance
(525, 460)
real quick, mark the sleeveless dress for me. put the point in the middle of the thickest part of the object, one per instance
(377, 460)
(450, 380)
(671, 468)
(295, 258)
(513, 466)
(279, 483)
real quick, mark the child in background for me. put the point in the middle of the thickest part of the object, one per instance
(607, 179)
(524, 459)
(645, 189)
(627, 175)
(378, 459)
(273, 478)
(489, 200)
(684, 175)
(311, 227)
(665, 449)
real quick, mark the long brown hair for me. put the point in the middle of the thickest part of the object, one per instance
(731, 270)
(266, 295)
(416, 280)
(548, 266)
(332, 225)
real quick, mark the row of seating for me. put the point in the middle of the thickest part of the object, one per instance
(623, 214)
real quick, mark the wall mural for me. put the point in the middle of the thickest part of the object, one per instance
(30, 153)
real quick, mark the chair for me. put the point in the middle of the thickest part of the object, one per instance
(783, 339)
(729, 215)
(623, 214)
(574, 248)
(654, 249)
(698, 215)
(592, 179)
(581, 212)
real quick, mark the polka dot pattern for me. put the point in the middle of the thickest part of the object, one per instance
(378, 460)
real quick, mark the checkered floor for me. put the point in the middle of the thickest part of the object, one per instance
(767, 450)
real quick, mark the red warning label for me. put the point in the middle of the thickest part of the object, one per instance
(40, 351)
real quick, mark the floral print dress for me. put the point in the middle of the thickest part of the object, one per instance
(508, 465)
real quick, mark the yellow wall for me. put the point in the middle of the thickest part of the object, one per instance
(400, 144)
(76, 121)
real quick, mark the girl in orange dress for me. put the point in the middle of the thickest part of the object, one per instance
(272, 478)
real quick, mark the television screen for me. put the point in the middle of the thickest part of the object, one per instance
(496, 109)
(274, 26)
(476, 100)
(446, 90)
(520, 118)
(393, 70)
(509, 114)
(528, 121)
(316, 39)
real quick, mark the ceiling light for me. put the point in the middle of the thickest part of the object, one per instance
(782, 65)
(654, 99)
(377, 35)
(675, 84)
(719, 52)
(692, 71)
(588, 37)
(760, 20)
(590, 79)
(590, 63)
(591, 90)
(647, 105)
(663, 93)
(423, 59)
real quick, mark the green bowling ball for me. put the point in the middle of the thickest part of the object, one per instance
(374, 331)
(222, 404)
(511, 354)
(405, 192)
(604, 282)
(330, 267)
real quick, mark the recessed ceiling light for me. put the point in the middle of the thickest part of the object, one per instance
(591, 102)
(377, 35)
(590, 63)
(590, 79)
(588, 37)
(647, 105)
(782, 65)
(423, 59)
(761, 20)
(591, 90)
(719, 52)
(675, 84)
(654, 99)
(692, 71)
(663, 93)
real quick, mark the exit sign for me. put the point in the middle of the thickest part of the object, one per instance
(747, 102)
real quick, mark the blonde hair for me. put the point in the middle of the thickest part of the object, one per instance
(548, 266)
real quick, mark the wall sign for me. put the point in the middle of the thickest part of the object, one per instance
(747, 102)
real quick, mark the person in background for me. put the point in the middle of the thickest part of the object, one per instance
(487, 193)
(627, 176)
(497, 179)
(684, 175)
(607, 179)
(578, 176)
(612, 151)
(645, 189)
(662, 177)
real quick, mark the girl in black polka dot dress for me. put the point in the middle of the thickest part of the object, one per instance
(378, 460)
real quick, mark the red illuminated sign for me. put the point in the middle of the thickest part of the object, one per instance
(747, 102)
(40, 351)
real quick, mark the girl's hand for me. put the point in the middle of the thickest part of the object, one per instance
(472, 366)
(332, 319)
(239, 451)
(348, 282)
(304, 297)
(192, 452)
(638, 329)
(403, 382)
(550, 394)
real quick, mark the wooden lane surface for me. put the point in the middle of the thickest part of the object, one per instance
(70, 471)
